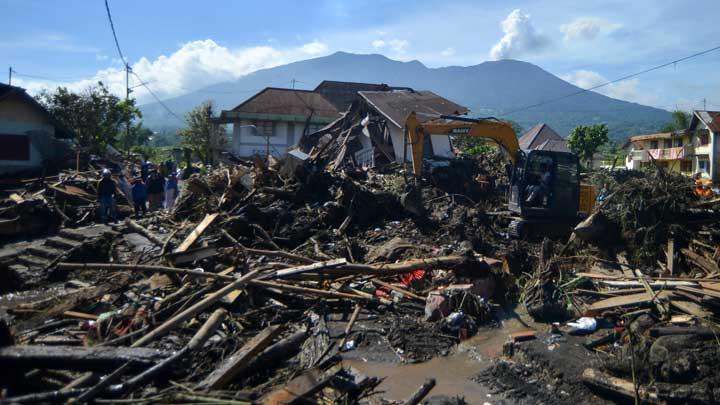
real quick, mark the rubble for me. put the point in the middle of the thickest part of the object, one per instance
(264, 276)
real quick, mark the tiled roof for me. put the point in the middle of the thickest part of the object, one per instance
(538, 135)
(272, 100)
(396, 105)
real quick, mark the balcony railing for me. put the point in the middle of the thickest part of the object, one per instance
(680, 152)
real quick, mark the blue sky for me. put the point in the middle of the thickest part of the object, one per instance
(184, 45)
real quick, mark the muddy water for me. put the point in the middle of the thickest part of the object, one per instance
(453, 373)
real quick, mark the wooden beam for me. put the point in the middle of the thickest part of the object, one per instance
(199, 229)
(239, 361)
(77, 358)
(624, 301)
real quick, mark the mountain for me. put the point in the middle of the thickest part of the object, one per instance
(488, 89)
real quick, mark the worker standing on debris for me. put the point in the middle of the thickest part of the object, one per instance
(139, 195)
(171, 188)
(155, 190)
(106, 188)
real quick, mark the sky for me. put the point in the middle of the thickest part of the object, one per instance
(179, 46)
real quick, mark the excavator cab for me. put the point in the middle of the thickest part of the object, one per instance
(545, 188)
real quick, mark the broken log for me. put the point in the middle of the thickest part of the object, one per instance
(144, 232)
(605, 382)
(238, 361)
(421, 393)
(77, 358)
(200, 337)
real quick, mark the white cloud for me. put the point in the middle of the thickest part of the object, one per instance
(314, 48)
(627, 90)
(450, 51)
(398, 45)
(194, 65)
(587, 28)
(520, 37)
(584, 79)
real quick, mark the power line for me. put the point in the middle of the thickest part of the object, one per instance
(128, 70)
(112, 27)
(142, 83)
(48, 78)
(611, 82)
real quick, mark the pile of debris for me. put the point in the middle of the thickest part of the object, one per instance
(250, 288)
(640, 279)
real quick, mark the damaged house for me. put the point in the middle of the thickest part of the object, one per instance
(273, 120)
(372, 131)
(29, 136)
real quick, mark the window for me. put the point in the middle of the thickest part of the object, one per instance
(703, 165)
(14, 147)
(703, 138)
(265, 128)
(686, 166)
(677, 142)
(654, 144)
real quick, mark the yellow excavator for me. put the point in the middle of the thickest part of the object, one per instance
(545, 190)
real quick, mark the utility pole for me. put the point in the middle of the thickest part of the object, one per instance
(127, 103)
(293, 83)
(704, 105)
(10, 76)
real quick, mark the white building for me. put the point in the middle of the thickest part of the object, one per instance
(273, 120)
(705, 129)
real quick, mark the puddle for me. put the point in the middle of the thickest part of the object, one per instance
(453, 373)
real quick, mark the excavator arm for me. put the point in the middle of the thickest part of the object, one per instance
(498, 131)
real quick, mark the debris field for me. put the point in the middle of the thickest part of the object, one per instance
(264, 275)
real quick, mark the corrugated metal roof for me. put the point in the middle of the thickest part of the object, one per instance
(538, 135)
(396, 105)
(711, 119)
(272, 100)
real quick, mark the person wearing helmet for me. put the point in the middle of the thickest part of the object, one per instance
(106, 189)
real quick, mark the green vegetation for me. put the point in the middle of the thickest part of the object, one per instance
(201, 135)
(585, 140)
(680, 121)
(96, 116)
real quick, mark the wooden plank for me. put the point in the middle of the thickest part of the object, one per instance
(691, 308)
(700, 291)
(199, 229)
(670, 254)
(624, 301)
(80, 315)
(238, 361)
(301, 387)
(77, 358)
(309, 268)
(703, 262)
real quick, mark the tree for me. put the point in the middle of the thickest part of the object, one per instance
(680, 121)
(138, 135)
(201, 135)
(584, 140)
(95, 115)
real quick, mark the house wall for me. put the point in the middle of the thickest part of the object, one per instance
(246, 144)
(19, 118)
(672, 165)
